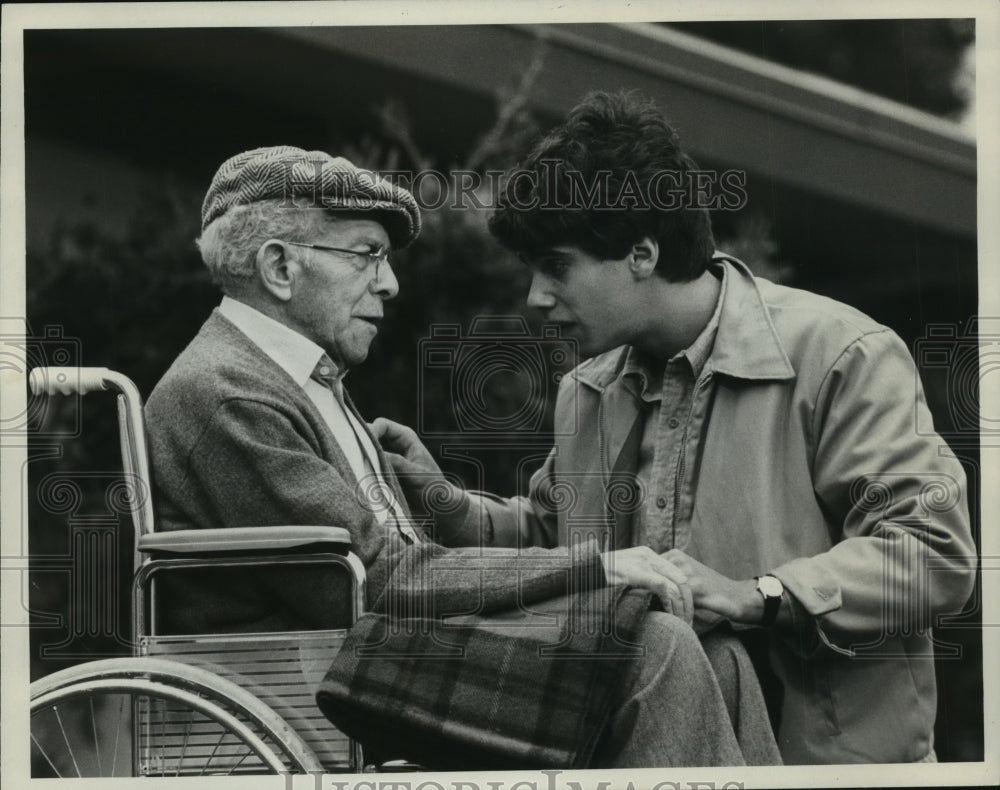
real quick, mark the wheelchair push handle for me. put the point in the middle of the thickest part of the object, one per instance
(68, 381)
(131, 431)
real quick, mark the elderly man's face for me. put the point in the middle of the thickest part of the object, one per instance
(338, 300)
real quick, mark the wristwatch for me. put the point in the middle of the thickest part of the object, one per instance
(771, 589)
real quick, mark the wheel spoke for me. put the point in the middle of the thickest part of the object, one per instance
(69, 747)
(215, 749)
(97, 743)
(187, 735)
(42, 751)
(238, 763)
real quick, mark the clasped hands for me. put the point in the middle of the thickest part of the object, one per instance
(684, 587)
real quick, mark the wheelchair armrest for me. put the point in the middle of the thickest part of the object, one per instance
(242, 539)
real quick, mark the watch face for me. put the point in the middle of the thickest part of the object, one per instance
(770, 586)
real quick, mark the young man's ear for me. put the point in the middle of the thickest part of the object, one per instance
(643, 257)
(276, 272)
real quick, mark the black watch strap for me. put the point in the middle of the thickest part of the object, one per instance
(771, 607)
(772, 603)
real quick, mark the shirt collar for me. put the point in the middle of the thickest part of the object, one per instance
(746, 345)
(700, 350)
(296, 354)
(697, 354)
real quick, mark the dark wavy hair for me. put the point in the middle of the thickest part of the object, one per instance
(602, 180)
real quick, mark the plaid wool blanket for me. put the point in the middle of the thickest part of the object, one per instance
(516, 689)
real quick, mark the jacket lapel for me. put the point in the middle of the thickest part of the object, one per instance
(619, 428)
(623, 426)
(618, 410)
(386, 467)
(622, 495)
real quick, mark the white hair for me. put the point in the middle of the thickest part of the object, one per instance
(230, 243)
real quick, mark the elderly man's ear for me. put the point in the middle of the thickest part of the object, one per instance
(276, 271)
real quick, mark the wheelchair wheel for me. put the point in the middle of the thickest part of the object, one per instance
(153, 717)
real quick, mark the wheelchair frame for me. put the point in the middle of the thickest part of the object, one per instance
(229, 678)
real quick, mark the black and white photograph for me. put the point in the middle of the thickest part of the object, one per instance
(485, 396)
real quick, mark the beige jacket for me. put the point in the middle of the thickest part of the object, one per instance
(809, 466)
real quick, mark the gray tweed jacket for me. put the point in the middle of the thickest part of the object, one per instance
(235, 442)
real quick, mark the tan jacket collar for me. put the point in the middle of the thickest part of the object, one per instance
(746, 345)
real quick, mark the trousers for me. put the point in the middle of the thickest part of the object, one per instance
(694, 702)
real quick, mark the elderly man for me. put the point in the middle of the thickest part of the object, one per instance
(252, 426)
(773, 432)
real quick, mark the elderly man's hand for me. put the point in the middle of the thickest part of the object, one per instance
(640, 566)
(717, 597)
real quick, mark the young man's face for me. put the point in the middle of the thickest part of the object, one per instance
(590, 299)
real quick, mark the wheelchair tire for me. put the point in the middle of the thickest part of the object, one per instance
(155, 717)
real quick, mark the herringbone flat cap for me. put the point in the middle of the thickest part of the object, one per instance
(310, 179)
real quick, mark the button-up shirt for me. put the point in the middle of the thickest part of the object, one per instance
(675, 406)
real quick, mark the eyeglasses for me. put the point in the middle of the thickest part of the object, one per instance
(378, 256)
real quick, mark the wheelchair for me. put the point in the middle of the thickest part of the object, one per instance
(195, 704)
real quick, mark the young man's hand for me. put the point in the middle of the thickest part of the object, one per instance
(718, 597)
(402, 445)
(640, 566)
(423, 483)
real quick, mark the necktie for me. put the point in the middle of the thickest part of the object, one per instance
(377, 491)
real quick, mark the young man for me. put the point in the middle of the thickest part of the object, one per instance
(772, 434)
(252, 426)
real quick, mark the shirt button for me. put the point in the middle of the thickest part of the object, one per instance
(673, 422)
(661, 502)
(324, 371)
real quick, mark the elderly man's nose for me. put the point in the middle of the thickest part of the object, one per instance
(384, 283)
